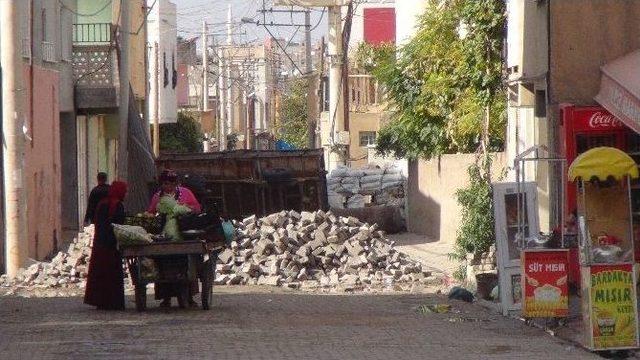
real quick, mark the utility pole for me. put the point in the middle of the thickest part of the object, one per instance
(205, 68)
(336, 96)
(311, 84)
(307, 41)
(251, 120)
(346, 35)
(123, 151)
(229, 88)
(156, 100)
(222, 103)
(13, 113)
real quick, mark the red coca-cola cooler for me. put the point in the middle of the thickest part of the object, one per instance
(583, 128)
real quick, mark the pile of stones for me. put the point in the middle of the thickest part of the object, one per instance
(66, 269)
(305, 250)
(311, 250)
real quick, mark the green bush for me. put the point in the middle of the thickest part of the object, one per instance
(476, 233)
(184, 136)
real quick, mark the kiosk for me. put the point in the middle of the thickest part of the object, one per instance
(605, 231)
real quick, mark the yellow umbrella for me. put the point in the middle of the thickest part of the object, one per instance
(603, 162)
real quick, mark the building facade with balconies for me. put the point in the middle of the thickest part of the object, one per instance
(46, 53)
(96, 74)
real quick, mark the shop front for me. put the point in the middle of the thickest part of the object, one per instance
(585, 128)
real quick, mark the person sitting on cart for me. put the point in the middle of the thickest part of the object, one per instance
(170, 187)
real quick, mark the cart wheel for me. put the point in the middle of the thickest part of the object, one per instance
(207, 284)
(183, 296)
(141, 297)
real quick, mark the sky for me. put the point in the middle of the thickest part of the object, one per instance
(192, 12)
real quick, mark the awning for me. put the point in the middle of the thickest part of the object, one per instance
(620, 89)
(602, 163)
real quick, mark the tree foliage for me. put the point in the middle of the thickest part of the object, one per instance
(444, 81)
(476, 232)
(293, 114)
(183, 136)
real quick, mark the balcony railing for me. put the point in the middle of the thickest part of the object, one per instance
(26, 48)
(49, 51)
(91, 34)
(364, 93)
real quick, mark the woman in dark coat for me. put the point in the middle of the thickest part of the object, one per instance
(105, 280)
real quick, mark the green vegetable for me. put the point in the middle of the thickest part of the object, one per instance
(170, 207)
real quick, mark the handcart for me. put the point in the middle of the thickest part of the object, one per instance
(178, 263)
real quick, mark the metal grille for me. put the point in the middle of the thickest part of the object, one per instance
(49, 51)
(26, 48)
(98, 33)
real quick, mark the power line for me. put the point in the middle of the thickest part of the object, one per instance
(62, 4)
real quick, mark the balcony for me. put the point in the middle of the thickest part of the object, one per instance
(49, 51)
(26, 48)
(365, 93)
(95, 68)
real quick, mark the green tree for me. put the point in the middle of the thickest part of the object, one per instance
(293, 114)
(183, 136)
(446, 95)
(445, 85)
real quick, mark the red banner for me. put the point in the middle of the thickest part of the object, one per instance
(546, 293)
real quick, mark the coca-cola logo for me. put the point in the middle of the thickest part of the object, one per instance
(600, 120)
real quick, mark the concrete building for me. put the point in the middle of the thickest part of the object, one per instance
(161, 29)
(555, 54)
(46, 51)
(407, 16)
(96, 73)
(374, 22)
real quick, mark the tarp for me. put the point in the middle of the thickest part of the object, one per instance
(602, 163)
(620, 89)
(282, 145)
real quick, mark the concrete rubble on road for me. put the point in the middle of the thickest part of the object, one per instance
(311, 250)
(66, 269)
(308, 250)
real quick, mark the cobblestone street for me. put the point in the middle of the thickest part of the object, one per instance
(245, 325)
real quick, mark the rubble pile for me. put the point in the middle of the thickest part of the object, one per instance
(313, 249)
(308, 250)
(357, 188)
(66, 269)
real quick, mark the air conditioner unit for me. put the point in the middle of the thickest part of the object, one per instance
(311, 3)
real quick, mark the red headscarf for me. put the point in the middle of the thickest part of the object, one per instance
(117, 192)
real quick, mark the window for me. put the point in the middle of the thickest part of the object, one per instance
(43, 25)
(367, 138)
(66, 31)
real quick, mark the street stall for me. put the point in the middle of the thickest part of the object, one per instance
(544, 257)
(532, 266)
(605, 226)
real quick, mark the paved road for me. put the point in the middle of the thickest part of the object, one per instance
(271, 326)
